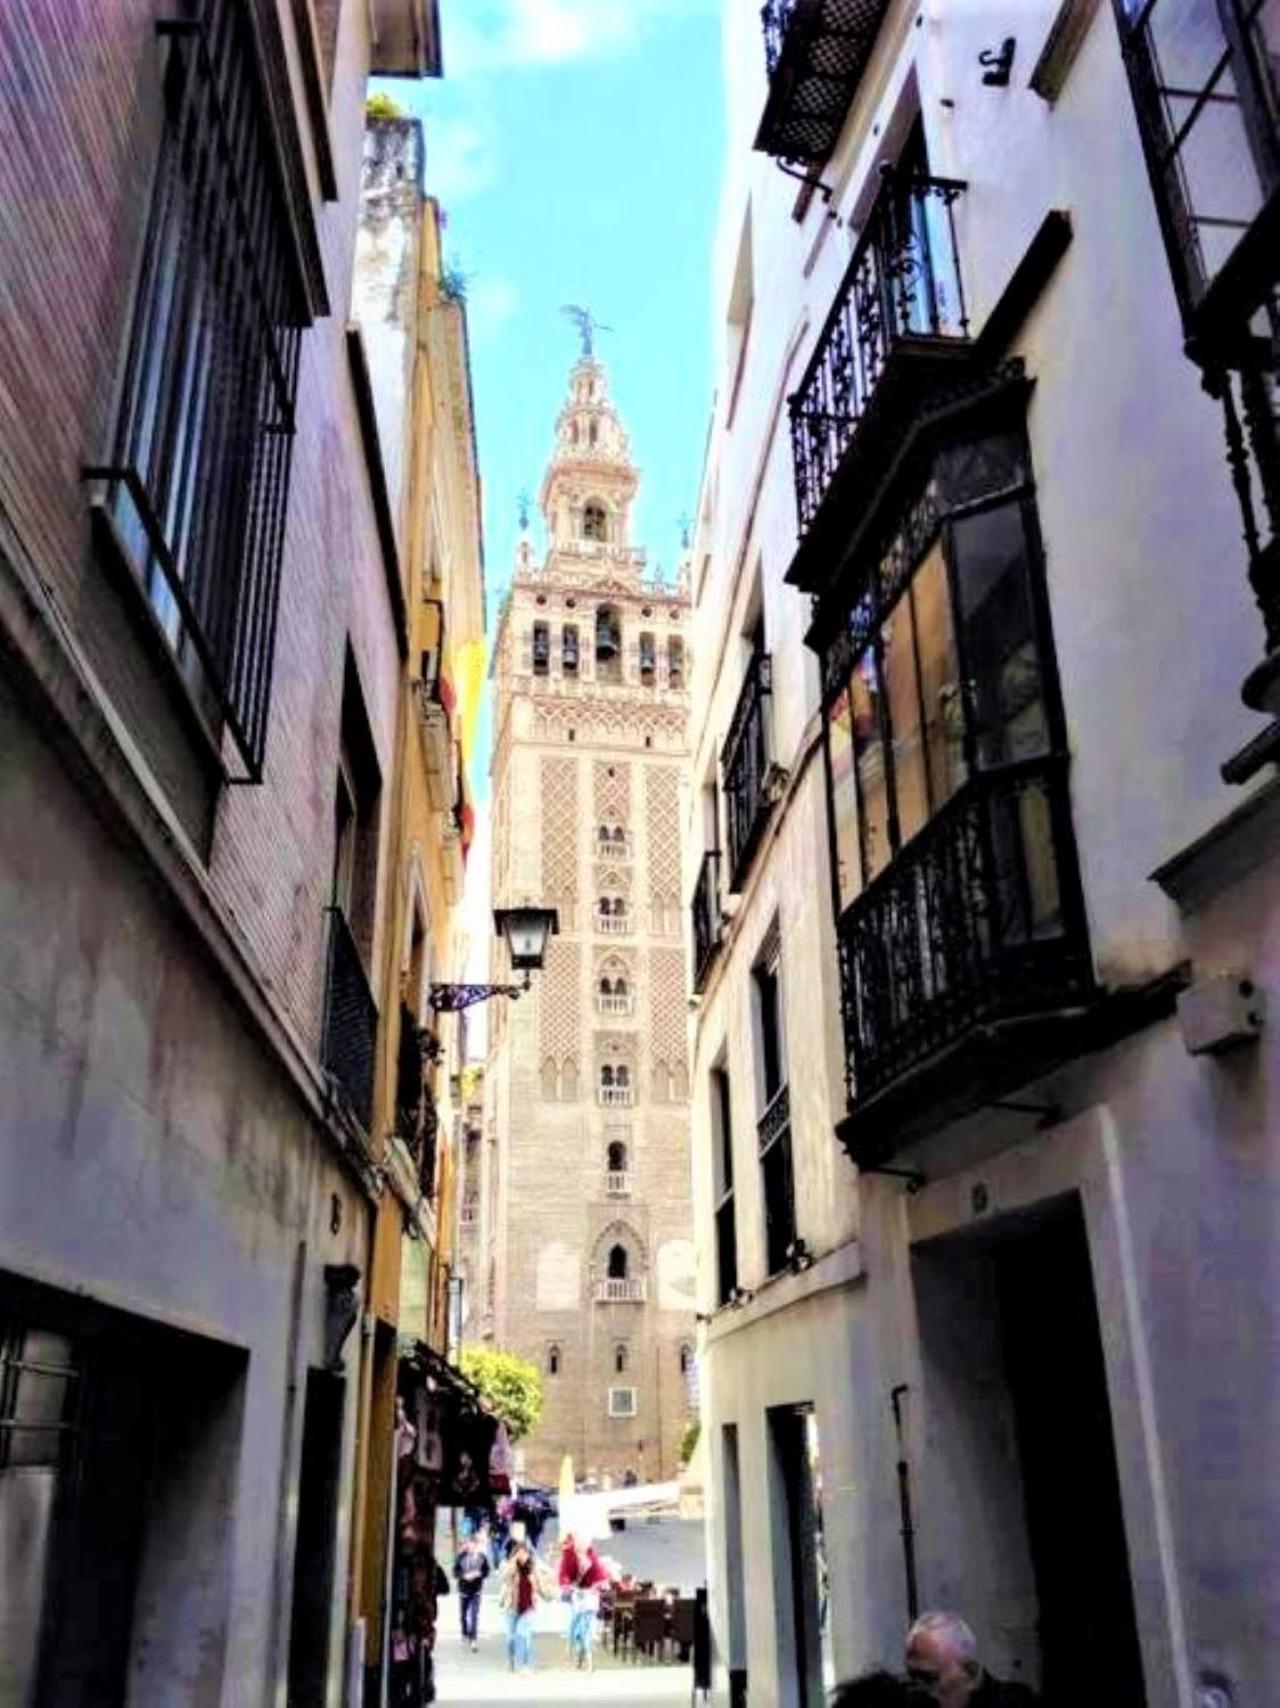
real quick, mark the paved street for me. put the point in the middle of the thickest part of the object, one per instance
(670, 1552)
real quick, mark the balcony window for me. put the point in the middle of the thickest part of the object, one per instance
(1205, 76)
(815, 53)
(950, 825)
(705, 911)
(898, 325)
(744, 763)
(611, 916)
(615, 1086)
(614, 995)
(349, 1040)
(722, 1187)
(197, 481)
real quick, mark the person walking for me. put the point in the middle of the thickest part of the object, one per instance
(582, 1572)
(470, 1569)
(522, 1583)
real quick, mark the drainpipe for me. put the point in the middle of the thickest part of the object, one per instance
(896, 1397)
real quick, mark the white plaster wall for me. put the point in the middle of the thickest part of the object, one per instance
(156, 1162)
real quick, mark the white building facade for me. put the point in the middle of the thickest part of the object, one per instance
(981, 933)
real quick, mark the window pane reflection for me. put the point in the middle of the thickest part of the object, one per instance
(1006, 692)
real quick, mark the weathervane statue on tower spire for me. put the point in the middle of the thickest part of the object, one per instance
(587, 326)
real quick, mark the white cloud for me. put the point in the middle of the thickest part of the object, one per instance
(505, 34)
(462, 156)
(490, 304)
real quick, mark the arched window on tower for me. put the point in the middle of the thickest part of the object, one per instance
(595, 523)
(686, 1360)
(619, 1360)
(617, 1157)
(593, 433)
(608, 644)
(553, 1361)
(618, 1263)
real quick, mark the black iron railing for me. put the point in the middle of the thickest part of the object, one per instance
(816, 52)
(706, 917)
(978, 919)
(773, 1132)
(744, 762)
(410, 1078)
(429, 1134)
(902, 285)
(198, 475)
(726, 1250)
(350, 1020)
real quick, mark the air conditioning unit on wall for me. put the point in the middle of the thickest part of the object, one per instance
(622, 1402)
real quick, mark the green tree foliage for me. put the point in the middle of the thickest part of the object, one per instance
(511, 1386)
(381, 106)
(689, 1440)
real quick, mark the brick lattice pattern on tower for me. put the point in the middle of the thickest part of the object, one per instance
(587, 1080)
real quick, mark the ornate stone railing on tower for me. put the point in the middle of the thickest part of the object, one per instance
(899, 308)
(705, 910)
(614, 849)
(631, 1291)
(600, 552)
(617, 1183)
(350, 1021)
(613, 924)
(744, 763)
(615, 1096)
(612, 1002)
(815, 52)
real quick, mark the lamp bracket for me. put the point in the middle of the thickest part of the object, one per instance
(452, 998)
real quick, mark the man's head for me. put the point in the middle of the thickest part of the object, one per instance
(942, 1655)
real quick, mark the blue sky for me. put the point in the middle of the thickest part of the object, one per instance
(576, 147)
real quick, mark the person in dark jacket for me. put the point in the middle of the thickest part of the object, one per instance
(942, 1655)
(879, 1690)
(470, 1569)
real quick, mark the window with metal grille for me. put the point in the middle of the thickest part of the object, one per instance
(196, 485)
(622, 1402)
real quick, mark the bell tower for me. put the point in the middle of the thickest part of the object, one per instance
(587, 1080)
(590, 483)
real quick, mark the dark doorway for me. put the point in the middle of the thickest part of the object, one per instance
(1071, 1490)
(313, 1559)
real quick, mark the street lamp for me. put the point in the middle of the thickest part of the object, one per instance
(526, 930)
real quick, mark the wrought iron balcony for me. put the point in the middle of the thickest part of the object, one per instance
(961, 960)
(621, 1292)
(617, 1183)
(350, 1021)
(705, 909)
(899, 314)
(411, 1064)
(816, 52)
(773, 1134)
(744, 763)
